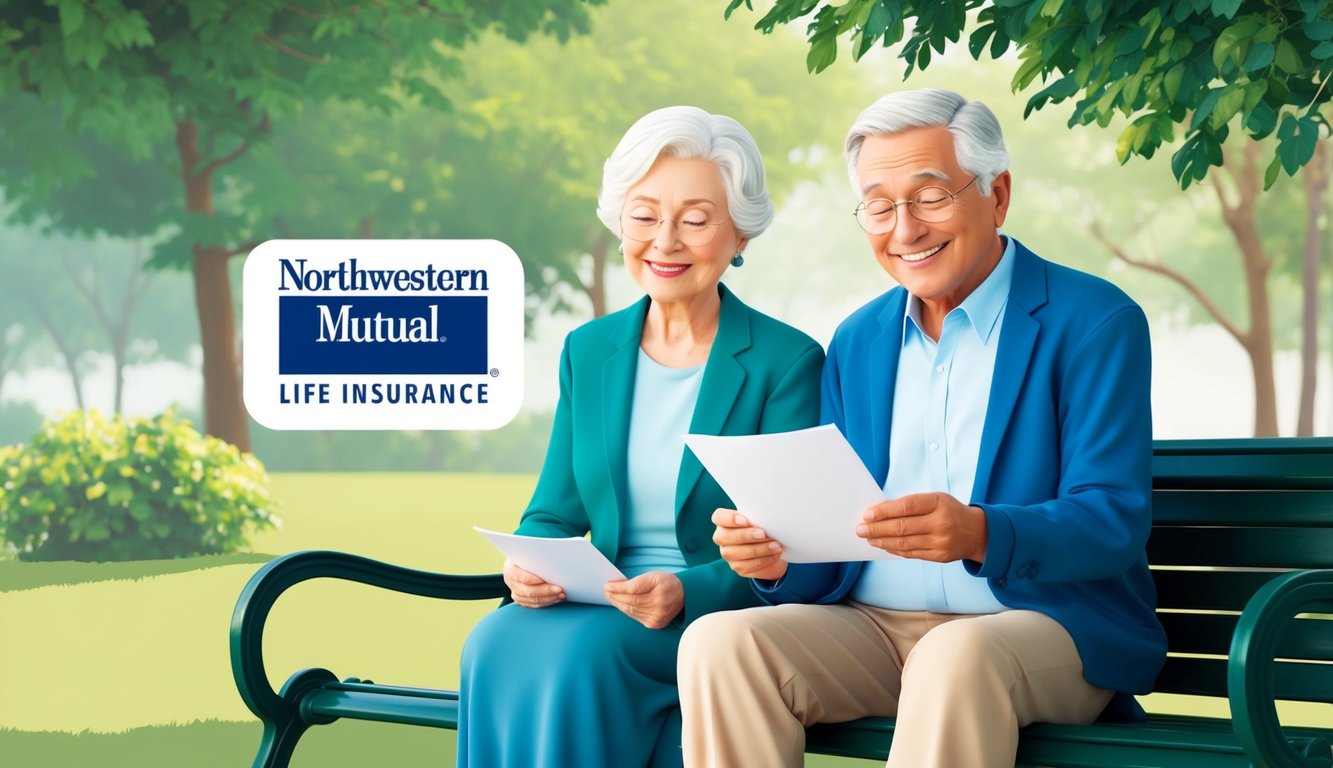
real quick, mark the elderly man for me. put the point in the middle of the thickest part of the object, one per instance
(1003, 403)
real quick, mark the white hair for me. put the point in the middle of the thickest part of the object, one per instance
(977, 140)
(688, 132)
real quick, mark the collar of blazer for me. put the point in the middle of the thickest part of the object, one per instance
(723, 378)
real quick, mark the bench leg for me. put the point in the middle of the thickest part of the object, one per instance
(283, 728)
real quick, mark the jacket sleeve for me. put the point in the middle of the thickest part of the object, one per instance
(556, 509)
(793, 403)
(1098, 524)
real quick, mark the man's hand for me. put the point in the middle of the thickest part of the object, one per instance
(653, 599)
(530, 590)
(926, 526)
(747, 549)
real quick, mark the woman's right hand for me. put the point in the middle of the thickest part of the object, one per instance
(747, 548)
(530, 590)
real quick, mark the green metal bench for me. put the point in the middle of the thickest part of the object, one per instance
(1241, 529)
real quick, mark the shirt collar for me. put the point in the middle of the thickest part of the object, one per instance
(982, 307)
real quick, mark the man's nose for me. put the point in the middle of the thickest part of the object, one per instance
(906, 227)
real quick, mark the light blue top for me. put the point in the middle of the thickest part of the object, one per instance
(939, 408)
(660, 416)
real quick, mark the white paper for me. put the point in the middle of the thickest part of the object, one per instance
(806, 489)
(573, 563)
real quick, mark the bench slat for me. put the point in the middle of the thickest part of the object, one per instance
(1245, 508)
(1310, 639)
(1242, 547)
(433, 711)
(1208, 677)
(1209, 590)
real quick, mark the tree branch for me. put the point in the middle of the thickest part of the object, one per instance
(1175, 276)
(282, 47)
(235, 154)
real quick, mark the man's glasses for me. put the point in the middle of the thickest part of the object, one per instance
(930, 204)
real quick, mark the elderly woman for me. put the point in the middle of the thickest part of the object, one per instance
(546, 682)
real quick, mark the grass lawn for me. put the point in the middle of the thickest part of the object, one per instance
(126, 664)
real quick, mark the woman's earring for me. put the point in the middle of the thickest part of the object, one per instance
(737, 260)
(621, 248)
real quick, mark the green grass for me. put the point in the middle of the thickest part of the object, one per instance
(127, 664)
(15, 575)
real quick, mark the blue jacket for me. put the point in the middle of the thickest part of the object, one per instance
(761, 376)
(1064, 473)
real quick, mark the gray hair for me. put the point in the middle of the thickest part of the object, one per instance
(977, 140)
(689, 132)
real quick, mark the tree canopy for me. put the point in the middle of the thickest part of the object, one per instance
(1200, 67)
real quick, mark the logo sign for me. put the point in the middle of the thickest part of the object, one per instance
(383, 334)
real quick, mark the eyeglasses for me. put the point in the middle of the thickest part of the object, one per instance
(693, 228)
(930, 204)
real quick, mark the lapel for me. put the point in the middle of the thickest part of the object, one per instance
(1018, 339)
(723, 378)
(884, 354)
(617, 396)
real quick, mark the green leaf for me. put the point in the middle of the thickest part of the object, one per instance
(1270, 174)
(1260, 56)
(1323, 51)
(1318, 28)
(823, 52)
(976, 42)
(1205, 109)
(1297, 138)
(1228, 104)
(1171, 83)
(1288, 60)
(71, 17)
(1261, 120)
(1226, 8)
(1232, 38)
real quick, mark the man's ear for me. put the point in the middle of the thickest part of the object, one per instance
(999, 190)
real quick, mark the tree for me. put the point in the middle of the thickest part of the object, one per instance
(520, 157)
(206, 80)
(1196, 65)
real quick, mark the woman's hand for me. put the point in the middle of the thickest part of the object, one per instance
(530, 590)
(653, 599)
(746, 548)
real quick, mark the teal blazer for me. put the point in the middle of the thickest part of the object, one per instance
(761, 376)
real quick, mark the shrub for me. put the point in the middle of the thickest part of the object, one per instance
(93, 488)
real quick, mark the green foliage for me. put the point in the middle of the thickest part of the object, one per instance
(92, 488)
(1204, 66)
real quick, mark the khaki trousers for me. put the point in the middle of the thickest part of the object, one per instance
(960, 685)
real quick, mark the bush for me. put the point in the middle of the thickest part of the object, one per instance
(92, 488)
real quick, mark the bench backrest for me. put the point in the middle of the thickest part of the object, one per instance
(1228, 516)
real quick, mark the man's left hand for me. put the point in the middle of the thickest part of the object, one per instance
(653, 599)
(926, 526)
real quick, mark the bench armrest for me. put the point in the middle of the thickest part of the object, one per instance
(1249, 669)
(264, 588)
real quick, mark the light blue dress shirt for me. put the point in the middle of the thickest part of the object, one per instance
(939, 408)
(660, 417)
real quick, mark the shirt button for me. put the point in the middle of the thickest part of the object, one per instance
(934, 446)
(939, 369)
(690, 544)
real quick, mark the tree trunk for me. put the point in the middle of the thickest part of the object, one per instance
(224, 410)
(1241, 218)
(1316, 182)
(68, 353)
(596, 285)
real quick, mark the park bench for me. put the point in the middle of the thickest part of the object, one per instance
(1241, 529)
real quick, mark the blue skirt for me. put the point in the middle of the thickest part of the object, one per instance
(569, 686)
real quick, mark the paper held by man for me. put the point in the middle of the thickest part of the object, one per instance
(573, 563)
(806, 489)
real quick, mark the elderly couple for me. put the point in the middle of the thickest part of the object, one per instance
(1000, 399)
